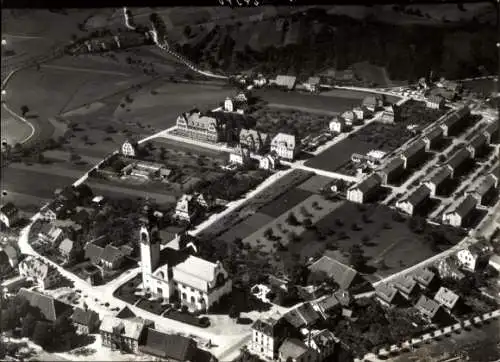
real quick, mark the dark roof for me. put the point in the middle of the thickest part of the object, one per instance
(57, 206)
(459, 157)
(9, 209)
(83, 192)
(170, 346)
(427, 306)
(394, 164)
(414, 148)
(93, 252)
(343, 275)
(466, 206)
(270, 326)
(303, 315)
(487, 183)
(292, 348)
(50, 308)
(478, 141)
(435, 99)
(233, 120)
(434, 133)
(84, 317)
(81, 217)
(369, 183)
(442, 174)
(111, 254)
(125, 313)
(491, 128)
(419, 195)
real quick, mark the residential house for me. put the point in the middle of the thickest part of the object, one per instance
(187, 208)
(350, 117)
(435, 102)
(338, 125)
(485, 190)
(268, 335)
(129, 148)
(302, 316)
(387, 116)
(50, 308)
(473, 258)
(429, 308)
(362, 113)
(478, 145)
(42, 274)
(460, 213)
(56, 209)
(412, 203)
(407, 286)
(67, 249)
(205, 201)
(323, 343)
(285, 146)
(286, 81)
(172, 347)
(50, 234)
(491, 132)
(425, 278)
(295, 350)
(327, 305)
(457, 161)
(437, 179)
(413, 153)
(240, 156)
(109, 257)
(228, 105)
(387, 295)
(392, 171)
(254, 140)
(85, 320)
(98, 200)
(455, 121)
(345, 276)
(446, 298)
(373, 102)
(432, 138)
(269, 162)
(9, 214)
(364, 190)
(122, 334)
(200, 127)
(313, 84)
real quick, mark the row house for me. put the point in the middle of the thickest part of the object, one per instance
(432, 138)
(285, 146)
(491, 132)
(365, 190)
(485, 189)
(254, 140)
(9, 214)
(437, 179)
(413, 202)
(458, 160)
(435, 102)
(455, 121)
(196, 126)
(478, 145)
(338, 125)
(85, 320)
(413, 153)
(41, 273)
(460, 213)
(392, 171)
(407, 286)
(122, 334)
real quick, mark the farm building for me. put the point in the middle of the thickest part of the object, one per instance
(413, 153)
(338, 125)
(432, 138)
(364, 190)
(435, 102)
(485, 189)
(285, 146)
(254, 140)
(460, 212)
(373, 102)
(197, 282)
(458, 160)
(343, 275)
(129, 148)
(478, 145)
(411, 204)
(286, 81)
(491, 132)
(392, 170)
(9, 214)
(436, 180)
(455, 121)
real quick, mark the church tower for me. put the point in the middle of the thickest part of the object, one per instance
(150, 254)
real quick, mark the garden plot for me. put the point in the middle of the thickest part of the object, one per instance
(315, 184)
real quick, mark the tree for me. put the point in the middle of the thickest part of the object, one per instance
(65, 332)
(233, 312)
(307, 223)
(28, 325)
(163, 153)
(42, 334)
(356, 256)
(24, 110)
(292, 219)
(187, 30)
(268, 233)
(9, 319)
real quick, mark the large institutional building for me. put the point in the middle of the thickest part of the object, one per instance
(196, 126)
(195, 282)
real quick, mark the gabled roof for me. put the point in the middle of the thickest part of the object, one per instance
(424, 276)
(466, 205)
(414, 148)
(459, 157)
(128, 328)
(50, 308)
(196, 272)
(478, 141)
(427, 306)
(93, 252)
(338, 119)
(394, 164)
(491, 128)
(324, 337)
(435, 99)
(369, 183)
(125, 313)
(419, 195)
(268, 326)
(371, 100)
(292, 348)
(487, 183)
(288, 140)
(440, 175)
(66, 246)
(303, 315)
(84, 317)
(9, 209)
(313, 80)
(434, 133)
(111, 254)
(446, 298)
(405, 284)
(343, 275)
(386, 292)
(169, 346)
